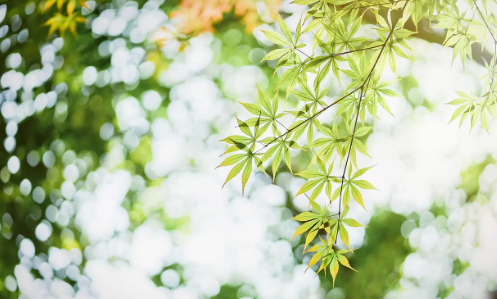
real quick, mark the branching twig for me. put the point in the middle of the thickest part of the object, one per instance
(364, 87)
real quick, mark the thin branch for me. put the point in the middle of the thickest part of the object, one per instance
(303, 53)
(308, 119)
(353, 51)
(281, 124)
(325, 107)
(362, 95)
(373, 5)
(495, 43)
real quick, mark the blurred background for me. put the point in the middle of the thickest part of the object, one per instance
(110, 139)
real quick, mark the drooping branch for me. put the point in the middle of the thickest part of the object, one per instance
(364, 87)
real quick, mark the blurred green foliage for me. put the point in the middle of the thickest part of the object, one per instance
(378, 260)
